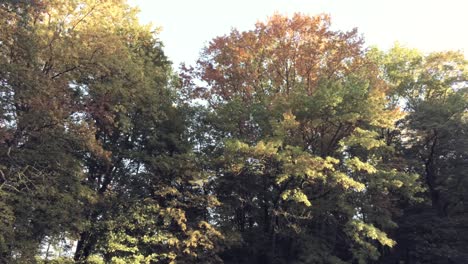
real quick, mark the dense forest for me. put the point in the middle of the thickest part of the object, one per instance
(291, 142)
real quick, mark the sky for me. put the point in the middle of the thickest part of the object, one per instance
(429, 25)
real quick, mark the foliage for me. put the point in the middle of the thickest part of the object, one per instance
(287, 143)
(89, 128)
(433, 89)
(305, 113)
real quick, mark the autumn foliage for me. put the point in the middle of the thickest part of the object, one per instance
(291, 142)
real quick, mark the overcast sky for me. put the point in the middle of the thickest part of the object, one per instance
(429, 25)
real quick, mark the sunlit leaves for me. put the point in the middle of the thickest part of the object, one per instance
(360, 231)
(364, 138)
(296, 195)
(304, 117)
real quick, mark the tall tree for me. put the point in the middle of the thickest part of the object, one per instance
(433, 89)
(305, 170)
(94, 148)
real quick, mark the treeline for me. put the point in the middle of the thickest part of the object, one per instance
(288, 143)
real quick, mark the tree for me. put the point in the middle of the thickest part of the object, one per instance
(305, 170)
(287, 143)
(433, 90)
(92, 135)
(40, 142)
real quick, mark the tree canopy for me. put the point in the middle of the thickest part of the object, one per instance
(291, 142)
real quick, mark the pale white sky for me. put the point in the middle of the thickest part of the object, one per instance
(429, 25)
